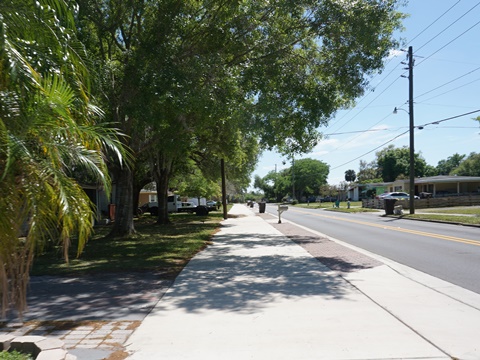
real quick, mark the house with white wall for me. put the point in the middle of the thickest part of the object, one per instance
(438, 186)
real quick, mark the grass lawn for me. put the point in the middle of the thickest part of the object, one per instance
(459, 219)
(464, 210)
(155, 247)
(351, 210)
(469, 215)
(355, 206)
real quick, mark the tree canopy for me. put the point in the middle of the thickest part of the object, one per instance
(215, 80)
(350, 175)
(394, 163)
(446, 166)
(468, 167)
(306, 177)
(187, 82)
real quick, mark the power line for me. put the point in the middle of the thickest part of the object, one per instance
(396, 137)
(380, 94)
(449, 26)
(458, 127)
(364, 97)
(391, 84)
(356, 132)
(378, 147)
(446, 92)
(446, 105)
(421, 32)
(436, 122)
(370, 92)
(449, 82)
(444, 46)
(385, 77)
(388, 87)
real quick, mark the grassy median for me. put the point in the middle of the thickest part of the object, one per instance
(468, 215)
(455, 218)
(355, 206)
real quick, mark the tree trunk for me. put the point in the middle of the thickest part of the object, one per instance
(123, 225)
(224, 189)
(162, 171)
(136, 197)
(162, 195)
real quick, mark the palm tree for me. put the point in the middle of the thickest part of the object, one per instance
(350, 175)
(48, 128)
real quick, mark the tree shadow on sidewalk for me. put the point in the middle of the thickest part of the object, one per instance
(244, 274)
(117, 296)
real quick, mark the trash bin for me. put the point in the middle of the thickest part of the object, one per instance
(111, 211)
(261, 207)
(201, 210)
(389, 205)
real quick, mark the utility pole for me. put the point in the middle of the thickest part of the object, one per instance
(410, 112)
(275, 184)
(293, 176)
(224, 189)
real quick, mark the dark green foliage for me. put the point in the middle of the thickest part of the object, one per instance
(14, 355)
(305, 175)
(350, 175)
(469, 167)
(394, 163)
(445, 167)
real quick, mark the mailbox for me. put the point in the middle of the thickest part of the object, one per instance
(281, 209)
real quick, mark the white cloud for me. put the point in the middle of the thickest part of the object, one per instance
(394, 53)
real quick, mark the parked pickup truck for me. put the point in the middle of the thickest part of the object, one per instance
(187, 207)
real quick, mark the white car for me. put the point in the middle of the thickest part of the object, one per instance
(382, 196)
(398, 195)
(211, 205)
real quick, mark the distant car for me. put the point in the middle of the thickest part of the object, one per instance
(211, 205)
(328, 199)
(382, 196)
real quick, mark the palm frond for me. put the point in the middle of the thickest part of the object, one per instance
(48, 128)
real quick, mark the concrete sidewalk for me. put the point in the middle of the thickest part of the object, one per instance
(255, 294)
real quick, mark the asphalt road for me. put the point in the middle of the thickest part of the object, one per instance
(449, 252)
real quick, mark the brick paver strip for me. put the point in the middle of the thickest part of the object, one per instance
(329, 253)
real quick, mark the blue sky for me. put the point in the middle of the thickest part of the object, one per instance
(445, 36)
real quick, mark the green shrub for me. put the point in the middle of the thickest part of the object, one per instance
(14, 355)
